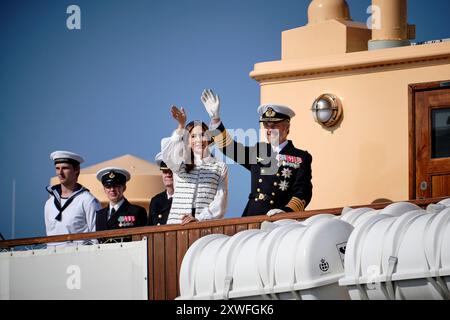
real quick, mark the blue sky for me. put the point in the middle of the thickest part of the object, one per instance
(105, 90)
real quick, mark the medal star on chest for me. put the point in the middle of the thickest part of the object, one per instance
(284, 185)
(286, 173)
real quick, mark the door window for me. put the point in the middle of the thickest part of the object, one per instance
(440, 133)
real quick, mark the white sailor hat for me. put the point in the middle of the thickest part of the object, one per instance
(113, 176)
(274, 112)
(66, 157)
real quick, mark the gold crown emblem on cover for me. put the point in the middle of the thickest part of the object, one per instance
(270, 113)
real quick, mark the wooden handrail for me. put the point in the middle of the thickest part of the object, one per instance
(118, 233)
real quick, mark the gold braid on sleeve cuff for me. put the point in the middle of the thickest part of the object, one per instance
(296, 204)
(223, 139)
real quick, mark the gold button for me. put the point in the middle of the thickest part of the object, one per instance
(158, 224)
(259, 190)
(278, 174)
(262, 170)
(271, 202)
(160, 216)
(273, 193)
(275, 184)
(260, 180)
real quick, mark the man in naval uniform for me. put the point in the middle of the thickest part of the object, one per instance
(160, 204)
(280, 173)
(119, 213)
(71, 207)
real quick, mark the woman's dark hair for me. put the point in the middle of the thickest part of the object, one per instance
(205, 129)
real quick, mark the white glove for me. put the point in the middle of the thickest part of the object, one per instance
(211, 102)
(273, 212)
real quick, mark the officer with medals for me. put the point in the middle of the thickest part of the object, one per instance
(119, 213)
(160, 204)
(280, 173)
(71, 208)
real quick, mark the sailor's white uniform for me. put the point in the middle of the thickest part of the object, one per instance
(79, 215)
(204, 188)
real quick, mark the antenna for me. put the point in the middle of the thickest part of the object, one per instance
(13, 210)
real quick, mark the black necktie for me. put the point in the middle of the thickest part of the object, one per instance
(112, 212)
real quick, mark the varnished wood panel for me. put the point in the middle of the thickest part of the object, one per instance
(194, 235)
(439, 165)
(182, 247)
(229, 230)
(241, 227)
(441, 185)
(136, 237)
(254, 225)
(205, 232)
(422, 144)
(159, 267)
(171, 276)
(412, 141)
(217, 230)
(150, 263)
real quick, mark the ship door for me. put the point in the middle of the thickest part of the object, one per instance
(429, 136)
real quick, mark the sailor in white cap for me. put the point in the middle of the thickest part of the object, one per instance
(120, 213)
(280, 173)
(71, 207)
(161, 203)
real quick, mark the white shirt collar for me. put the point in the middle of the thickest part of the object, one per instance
(117, 205)
(280, 147)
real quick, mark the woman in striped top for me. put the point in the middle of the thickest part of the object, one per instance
(200, 180)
